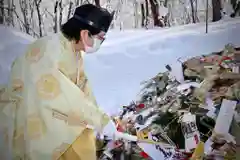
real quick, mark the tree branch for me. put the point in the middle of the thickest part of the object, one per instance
(69, 10)
(6, 8)
(37, 5)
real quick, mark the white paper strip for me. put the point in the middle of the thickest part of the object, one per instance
(225, 117)
(177, 72)
(125, 136)
(207, 146)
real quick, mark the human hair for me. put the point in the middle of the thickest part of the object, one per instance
(72, 28)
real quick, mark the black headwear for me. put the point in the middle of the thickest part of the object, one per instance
(94, 16)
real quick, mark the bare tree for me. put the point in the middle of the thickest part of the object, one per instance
(2, 11)
(236, 8)
(207, 16)
(143, 15)
(78, 2)
(196, 11)
(60, 12)
(69, 10)
(22, 24)
(216, 6)
(97, 3)
(135, 6)
(165, 3)
(9, 12)
(155, 13)
(24, 9)
(147, 14)
(55, 28)
(31, 12)
(193, 11)
(40, 21)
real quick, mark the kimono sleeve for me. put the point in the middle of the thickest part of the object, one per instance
(66, 100)
(16, 78)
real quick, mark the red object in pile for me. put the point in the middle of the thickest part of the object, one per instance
(141, 106)
(224, 58)
(144, 154)
(120, 129)
(196, 139)
(117, 144)
(215, 59)
(189, 155)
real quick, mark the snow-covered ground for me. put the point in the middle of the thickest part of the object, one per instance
(12, 43)
(131, 56)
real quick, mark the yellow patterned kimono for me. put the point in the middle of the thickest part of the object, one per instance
(50, 104)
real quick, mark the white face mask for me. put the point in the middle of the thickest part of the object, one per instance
(96, 45)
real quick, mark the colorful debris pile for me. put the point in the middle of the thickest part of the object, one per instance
(197, 118)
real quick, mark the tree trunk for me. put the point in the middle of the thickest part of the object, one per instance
(147, 14)
(24, 10)
(166, 3)
(207, 16)
(155, 14)
(143, 15)
(32, 8)
(37, 5)
(236, 8)
(2, 11)
(135, 14)
(60, 13)
(55, 28)
(10, 13)
(77, 2)
(216, 6)
(193, 11)
(196, 12)
(69, 10)
(97, 3)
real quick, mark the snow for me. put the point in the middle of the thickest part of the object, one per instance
(12, 43)
(128, 58)
(132, 56)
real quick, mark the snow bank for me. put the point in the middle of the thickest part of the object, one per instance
(131, 56)
(12, 43)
